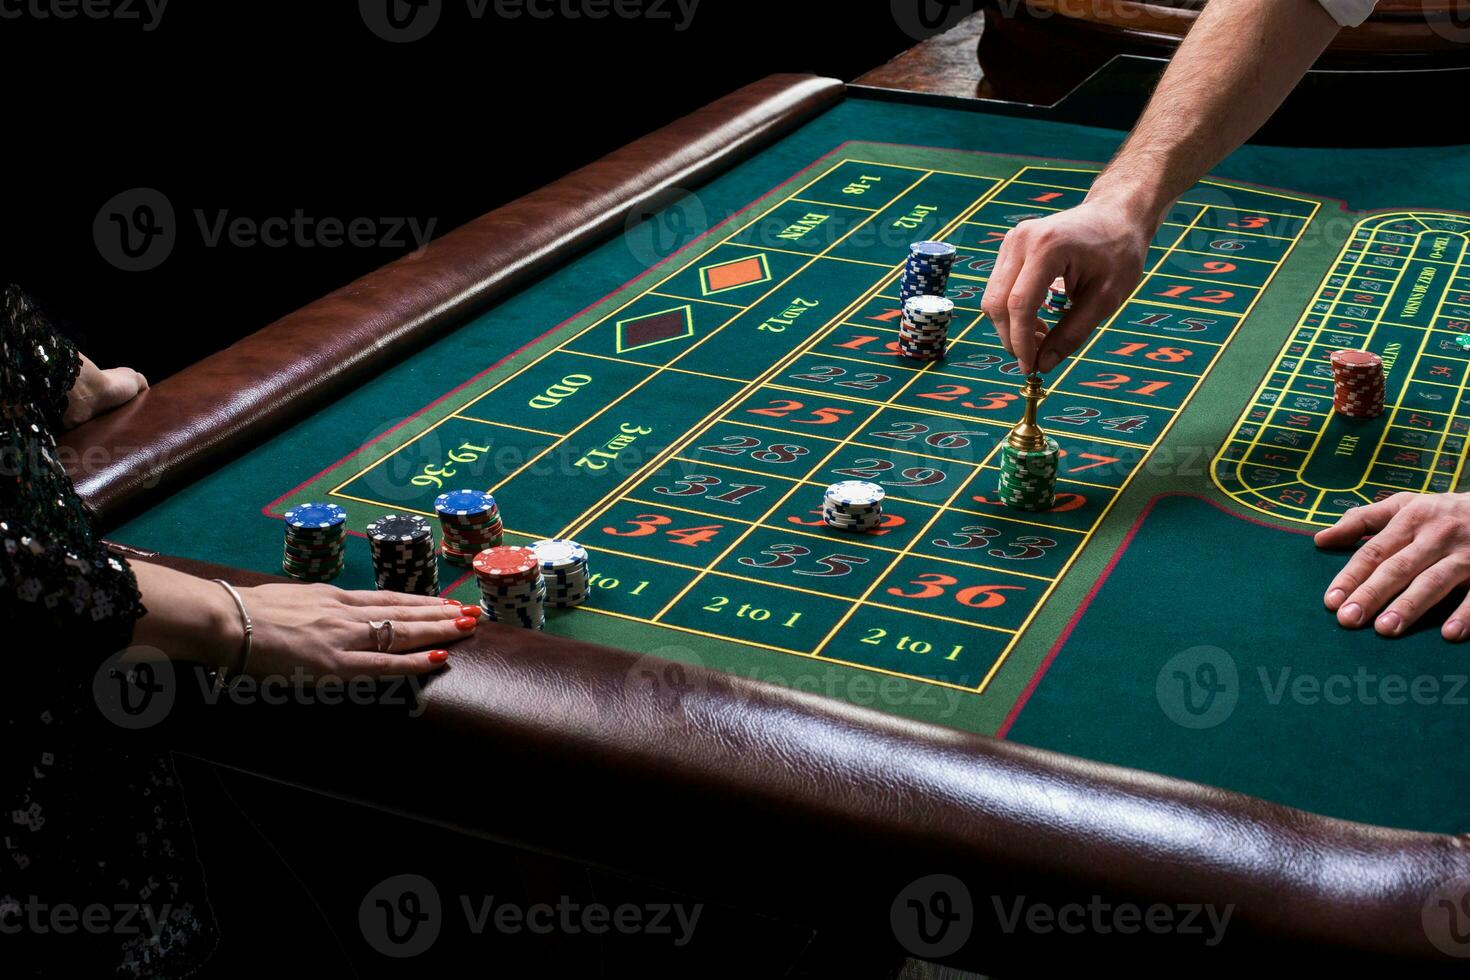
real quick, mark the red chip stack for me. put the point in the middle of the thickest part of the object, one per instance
(1358, 384)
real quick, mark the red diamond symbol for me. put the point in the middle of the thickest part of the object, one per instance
(655, 328)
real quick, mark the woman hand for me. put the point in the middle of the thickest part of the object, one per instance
(97, 391)
(325, 630)
(1419, 553)
(317, 629)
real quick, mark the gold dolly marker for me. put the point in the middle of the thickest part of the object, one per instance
(1027, 436)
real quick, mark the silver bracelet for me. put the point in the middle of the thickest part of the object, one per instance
(245, 621)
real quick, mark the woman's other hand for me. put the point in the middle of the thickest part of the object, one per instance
(97, 391)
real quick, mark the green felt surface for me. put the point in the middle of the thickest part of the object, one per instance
(592, 400)
(1242, 680)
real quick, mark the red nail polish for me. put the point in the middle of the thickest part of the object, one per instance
(451, 602)
(438, 656)
(464, 623)
(471, 611)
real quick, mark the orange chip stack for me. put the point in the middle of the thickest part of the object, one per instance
(512, 589)
(1358, 384)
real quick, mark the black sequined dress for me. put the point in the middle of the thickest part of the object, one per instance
(98, 875)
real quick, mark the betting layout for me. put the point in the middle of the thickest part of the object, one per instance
(1401, 289)
(686, 431)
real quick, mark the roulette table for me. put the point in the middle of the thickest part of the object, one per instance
(668, 355)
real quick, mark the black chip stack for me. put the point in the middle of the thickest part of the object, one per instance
(404, 556)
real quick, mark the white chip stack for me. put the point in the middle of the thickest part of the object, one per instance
(853, 505)
(923, 335)
(565, 568)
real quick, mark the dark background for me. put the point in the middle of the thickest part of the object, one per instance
(255, 109)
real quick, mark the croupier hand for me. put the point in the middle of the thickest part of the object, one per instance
(1098, 247)
(1419, 553)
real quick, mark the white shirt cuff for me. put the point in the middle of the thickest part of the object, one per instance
(1349, 13)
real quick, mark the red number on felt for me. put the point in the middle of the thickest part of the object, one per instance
(932, 585)
(647, 524)
(890, 522)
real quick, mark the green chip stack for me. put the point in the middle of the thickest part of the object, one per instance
(1028, 478)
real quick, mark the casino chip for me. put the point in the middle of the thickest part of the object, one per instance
(923, 334)
(926, 272)
(1359, 384)
(1056, 297)
(853, 505)
(469, 522)
(1028, 479)
(512, 588)
(564, 568)
(404, 557)
(316, 542)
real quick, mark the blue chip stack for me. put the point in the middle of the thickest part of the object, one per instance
(316, 542)
(469, 522)
(926, 273)
(565, 569)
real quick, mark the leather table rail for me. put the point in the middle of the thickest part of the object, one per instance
(233, 399)
(814, 811)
